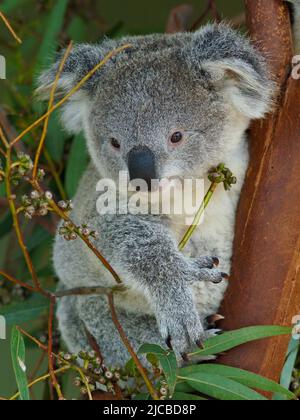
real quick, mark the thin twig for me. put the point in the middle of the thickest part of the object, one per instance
(3, 138)
(214, 10)
(42, 379)
(89, 291)
(128, 346)
(71, 93)
(95, 346)
(17, 227)
(210, 7)
(189, 233)
(51, 102)
(44, 348)
(55, 175)
(84, 380)
(66, 218)
(18, 282)
(8, 25)
(50, 345)
(199, 21)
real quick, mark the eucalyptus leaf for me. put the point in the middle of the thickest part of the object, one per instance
(287, 372)
(230, 340)
(243, 377)
(167, 360)
(221, 388)
(31, 309)
(17, 346)
(182, 396)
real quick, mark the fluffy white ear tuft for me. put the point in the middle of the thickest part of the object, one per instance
(235, 68)
(249, 92)
(74, 110)
(82, 59)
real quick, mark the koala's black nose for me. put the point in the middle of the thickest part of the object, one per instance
(141, 165)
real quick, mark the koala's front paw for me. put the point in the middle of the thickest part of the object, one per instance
(204, 269)
(179, 322)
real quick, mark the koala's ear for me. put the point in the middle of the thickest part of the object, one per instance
(82, 59)
(235, 68)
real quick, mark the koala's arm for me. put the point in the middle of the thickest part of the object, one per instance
(146, 256)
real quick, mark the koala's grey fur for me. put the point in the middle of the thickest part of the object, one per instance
(210, 84)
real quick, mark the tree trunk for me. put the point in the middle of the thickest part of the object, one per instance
(265, 284)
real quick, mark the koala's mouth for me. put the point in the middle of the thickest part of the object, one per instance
(162, 186)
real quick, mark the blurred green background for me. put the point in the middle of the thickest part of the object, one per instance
(45, 26)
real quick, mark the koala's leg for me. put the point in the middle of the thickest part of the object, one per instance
(146, 256)
(71, 326)
(77, 313)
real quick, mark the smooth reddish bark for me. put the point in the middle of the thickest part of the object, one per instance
(265, 285)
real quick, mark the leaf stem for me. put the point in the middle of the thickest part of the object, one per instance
(9, 27)
(198, 216)
(127, 344)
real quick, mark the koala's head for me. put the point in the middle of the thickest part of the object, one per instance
(170, 105)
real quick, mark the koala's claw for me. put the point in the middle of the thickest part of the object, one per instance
(180, 324)
(200, 344)
(205, 270)
(169, 342)
(212, 275)
(185, 357)
(207, 262)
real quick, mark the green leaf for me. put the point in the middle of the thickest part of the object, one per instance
(142, 397)
(230, 340)
(287, 372)
(167, 360)
(221, 388)
(183, 387)
(131, 368)
(31, 309)
(243, 377)
(77, 164)
(182, 396)
(17, 346)
(52, 29)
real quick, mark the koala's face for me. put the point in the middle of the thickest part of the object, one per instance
(155, 121)
(167, 106)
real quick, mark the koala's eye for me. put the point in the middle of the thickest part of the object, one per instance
(176, 137)
(115, 144)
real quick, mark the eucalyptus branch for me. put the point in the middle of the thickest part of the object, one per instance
(3, 139)
(9, 27)
(66, 218)
(89, 291)
(127, 344)
(41, 379)
(17, 282)
(17, 227)
(218, 175)
(51, 102)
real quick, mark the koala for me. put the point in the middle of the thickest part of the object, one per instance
(168, 106)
